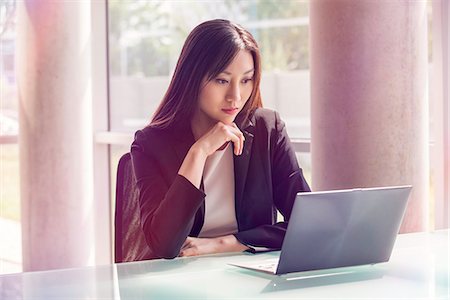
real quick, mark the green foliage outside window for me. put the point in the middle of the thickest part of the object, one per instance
(146, 36)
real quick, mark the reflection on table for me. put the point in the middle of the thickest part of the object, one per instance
(418, 268)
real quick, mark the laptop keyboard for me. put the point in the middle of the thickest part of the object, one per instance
(268, 265)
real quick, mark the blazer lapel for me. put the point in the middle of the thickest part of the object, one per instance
(241, 164)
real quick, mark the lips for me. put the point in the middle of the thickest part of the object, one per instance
(230, 111)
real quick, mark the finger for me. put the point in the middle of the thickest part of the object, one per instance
(186, 243)
(231, 134)
(240, 135)
(242, 142)
(235, 127)
(236, 142)
(189, 252)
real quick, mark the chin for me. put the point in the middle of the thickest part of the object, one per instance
(228, 121)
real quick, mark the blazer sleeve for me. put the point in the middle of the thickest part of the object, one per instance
(287, 181)
(167, 208)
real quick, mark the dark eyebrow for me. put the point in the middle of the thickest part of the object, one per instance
(228, 73)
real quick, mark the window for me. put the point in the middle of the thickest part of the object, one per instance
(10, 228)
(145, 40)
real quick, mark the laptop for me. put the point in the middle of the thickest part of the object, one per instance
(341, 228)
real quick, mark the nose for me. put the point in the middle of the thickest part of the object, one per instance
(234, 93)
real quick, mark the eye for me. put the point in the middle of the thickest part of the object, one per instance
(221, 81)
(244, 81)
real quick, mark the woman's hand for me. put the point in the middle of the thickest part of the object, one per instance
(218, 136)
(210, 142)
(200, 246)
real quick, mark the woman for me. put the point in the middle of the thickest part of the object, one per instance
(213, 167)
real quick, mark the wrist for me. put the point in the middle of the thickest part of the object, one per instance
(232, 243)
(193, 165)
(198, 152)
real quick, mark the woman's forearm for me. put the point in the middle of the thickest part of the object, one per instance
(192, 166)
(201, 246)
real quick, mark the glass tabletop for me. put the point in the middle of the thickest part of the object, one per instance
(418, 268)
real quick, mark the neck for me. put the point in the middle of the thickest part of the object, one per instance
(201, 125)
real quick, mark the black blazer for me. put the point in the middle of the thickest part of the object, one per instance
(267, 178)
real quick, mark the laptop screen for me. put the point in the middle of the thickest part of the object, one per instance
(342, 228)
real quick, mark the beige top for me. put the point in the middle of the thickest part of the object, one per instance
(218, 182)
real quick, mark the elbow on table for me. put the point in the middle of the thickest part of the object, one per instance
(165, 251)
(170, 256)
(160, 246)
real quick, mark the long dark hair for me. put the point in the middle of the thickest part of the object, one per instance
(207, 51)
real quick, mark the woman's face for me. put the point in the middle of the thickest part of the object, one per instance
(223, 97)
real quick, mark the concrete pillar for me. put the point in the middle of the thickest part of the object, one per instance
(369, 105)
(55, 139)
